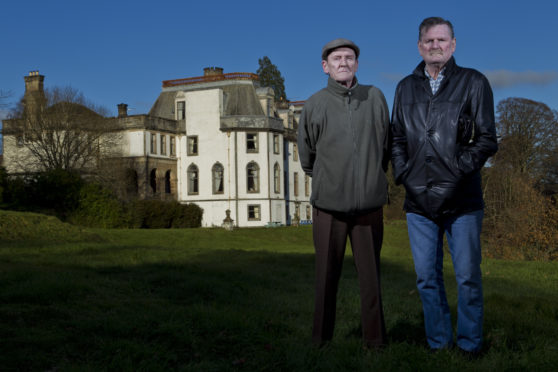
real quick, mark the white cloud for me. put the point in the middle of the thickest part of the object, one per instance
(506, 78)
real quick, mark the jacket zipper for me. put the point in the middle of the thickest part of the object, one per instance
(355, 152)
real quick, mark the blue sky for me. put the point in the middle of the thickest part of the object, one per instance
(120, 51)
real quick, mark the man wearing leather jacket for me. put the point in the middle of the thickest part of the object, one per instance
(443, 132)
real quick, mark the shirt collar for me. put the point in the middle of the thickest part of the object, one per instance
(440, 74)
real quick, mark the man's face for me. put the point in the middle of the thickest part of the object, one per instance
(436, 46)
(341, 65)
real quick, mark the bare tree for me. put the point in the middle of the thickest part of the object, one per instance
(522, 221)
(62, 130)
(3, 96)
(528, 138)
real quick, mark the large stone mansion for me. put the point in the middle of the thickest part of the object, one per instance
(218, 140)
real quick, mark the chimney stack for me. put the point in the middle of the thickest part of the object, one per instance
(212, 71)
(122, 110)
(34, 82)
(34, 90)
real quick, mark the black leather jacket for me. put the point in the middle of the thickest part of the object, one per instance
(441, 141)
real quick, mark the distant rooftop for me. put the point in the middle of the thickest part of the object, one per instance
(297, 103)
(210, 78)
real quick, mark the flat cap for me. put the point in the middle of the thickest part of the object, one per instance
(338, 43)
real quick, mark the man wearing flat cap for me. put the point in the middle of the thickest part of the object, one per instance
(343, 146)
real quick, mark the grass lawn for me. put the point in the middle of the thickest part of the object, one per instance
(212, 300)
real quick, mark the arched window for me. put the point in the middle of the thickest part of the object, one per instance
(217, 174)
(131, 181)
(253, 177)
(153, 180)
(193, 180)
(168, 182)
(276, 178)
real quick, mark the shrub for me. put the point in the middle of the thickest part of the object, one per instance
(3, 183)
(56, 192)
(99, 207)
(150, 214)
(157, 214)
(393, 210)
(521, 223)
(187, 215)
(15, 194)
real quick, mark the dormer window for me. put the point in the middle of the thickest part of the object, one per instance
(180, 110)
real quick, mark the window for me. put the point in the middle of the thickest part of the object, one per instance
(297, 211)
(276, 178)
(306, 185)
(163, 144)
(172, 146)
(251, 142)
(19, 141)
(295, 183)
(295, 152)
(193, 180)
(131, 181)
(254, 212)
(276, 144)
(153, 143)
(217, 171)
(253, 178)
(308, 212)
(153, 180)
(180, 110)
(168, 182)
(192, 145)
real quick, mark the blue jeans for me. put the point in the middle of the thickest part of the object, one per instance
(463, 235)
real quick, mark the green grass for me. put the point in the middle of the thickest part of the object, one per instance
(213, 300)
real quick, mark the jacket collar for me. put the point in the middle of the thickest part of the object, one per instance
(339, 89)
(449, 68)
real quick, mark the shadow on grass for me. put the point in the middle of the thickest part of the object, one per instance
(228, 310)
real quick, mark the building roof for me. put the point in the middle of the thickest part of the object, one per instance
(240, 98)
(164, 105)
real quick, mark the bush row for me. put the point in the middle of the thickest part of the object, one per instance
(69, 197)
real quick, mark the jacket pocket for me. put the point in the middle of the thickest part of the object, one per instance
(443, 198)
(316, 183)
(465, 130)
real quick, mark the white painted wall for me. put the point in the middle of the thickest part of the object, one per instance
(203, 113)
(134, 143)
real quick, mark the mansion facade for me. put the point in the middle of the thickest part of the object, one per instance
(218, 140)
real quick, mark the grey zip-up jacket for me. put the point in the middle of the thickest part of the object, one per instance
(343, 145)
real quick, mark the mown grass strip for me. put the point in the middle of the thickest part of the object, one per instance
(213, 300)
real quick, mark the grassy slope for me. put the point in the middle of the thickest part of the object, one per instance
(208, 299)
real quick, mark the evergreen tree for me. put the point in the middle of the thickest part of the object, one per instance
(270, 76)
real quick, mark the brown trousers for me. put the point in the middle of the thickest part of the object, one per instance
(365, 232)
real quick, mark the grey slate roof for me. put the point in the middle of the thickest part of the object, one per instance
(164, 105)
(239, 99)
